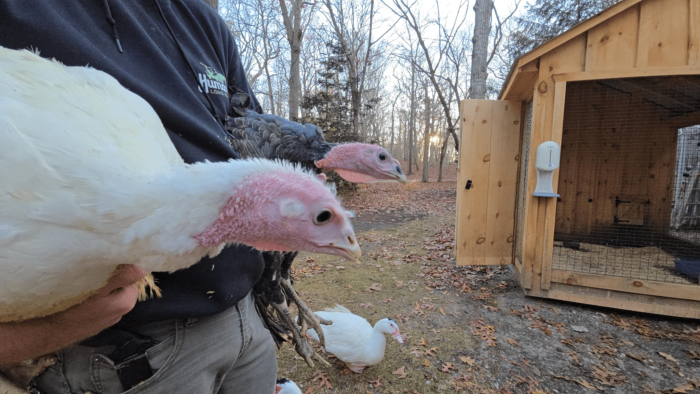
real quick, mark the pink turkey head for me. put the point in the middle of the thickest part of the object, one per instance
(361, 163)
(285, 210)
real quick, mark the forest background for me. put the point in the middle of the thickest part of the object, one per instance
(390, 72)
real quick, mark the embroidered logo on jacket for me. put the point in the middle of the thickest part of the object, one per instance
(213, 81)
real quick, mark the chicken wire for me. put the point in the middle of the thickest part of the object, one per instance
(522, 181)
(629, 179)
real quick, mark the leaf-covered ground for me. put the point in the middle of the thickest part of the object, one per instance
(471, 330)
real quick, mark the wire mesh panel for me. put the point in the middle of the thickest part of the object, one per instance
(522, 185)
(629, 179)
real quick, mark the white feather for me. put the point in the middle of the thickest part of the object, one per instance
(91, 180)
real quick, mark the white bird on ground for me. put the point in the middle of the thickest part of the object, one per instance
(353, 340)
(286, 386)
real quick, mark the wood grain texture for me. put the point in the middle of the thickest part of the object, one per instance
(625, 301)
(485, 212)
(505, 141)
(628, 285)
(475, 167)
(551, 207)
(663, 33)
(612, 45)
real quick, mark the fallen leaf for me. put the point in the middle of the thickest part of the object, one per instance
(311, 389)
(682, 389)
(417, 352)
(579, 381)
(637, 356)
(377, 383)
(694, 355)
(447, 368)
(667, 357)
(574, 357)
(628, 343)
(431, 351)
(468, 360)
(513, 342)
(442, 311)
(318, 375)
(400, 284)
(401, 373)
(424, 342)
(374, 287)
(426, 362)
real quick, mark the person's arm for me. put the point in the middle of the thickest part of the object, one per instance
(32, 338)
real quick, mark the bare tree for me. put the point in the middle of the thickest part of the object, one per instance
(351, 21)
(412, 120)
(271, 51)
(480, 48)
(426, 133)
(403, 11)
(293, 25)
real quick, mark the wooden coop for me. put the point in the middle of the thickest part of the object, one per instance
(620, 94)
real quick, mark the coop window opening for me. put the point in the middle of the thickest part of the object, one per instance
(629, 179)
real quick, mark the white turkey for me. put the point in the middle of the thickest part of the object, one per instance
(271, 137)
(91, 180)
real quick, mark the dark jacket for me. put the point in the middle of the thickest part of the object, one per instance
(80, 33)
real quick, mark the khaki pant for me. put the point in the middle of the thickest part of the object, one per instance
(227, 353)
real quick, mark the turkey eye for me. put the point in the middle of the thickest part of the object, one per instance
(382, 156)
(323, 217)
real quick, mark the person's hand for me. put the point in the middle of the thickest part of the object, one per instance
(105, 308)
(32, 338)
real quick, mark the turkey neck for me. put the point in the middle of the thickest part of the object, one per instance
(178, 207)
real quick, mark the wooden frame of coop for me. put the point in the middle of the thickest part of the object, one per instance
(633, 58)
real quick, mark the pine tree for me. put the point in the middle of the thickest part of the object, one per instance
(546, 19)
(329, 107)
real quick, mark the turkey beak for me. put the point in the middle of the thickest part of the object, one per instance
(398, 173)
(349, 248)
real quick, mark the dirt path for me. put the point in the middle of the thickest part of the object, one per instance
(471, 329)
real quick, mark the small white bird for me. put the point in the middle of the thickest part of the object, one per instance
(353, 340)
(90, 180)
(286, 386)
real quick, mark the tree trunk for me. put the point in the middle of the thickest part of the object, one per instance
(426, 135)
(356, 101)
(266, 41)
(412, 121)
(404, 136)
(391, 146)
(443, 150)
(214, 4)
(292, 24)
(480, 49)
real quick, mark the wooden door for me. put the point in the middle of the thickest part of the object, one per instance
(486, 186)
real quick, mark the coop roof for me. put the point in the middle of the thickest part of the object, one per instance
(523, 72)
